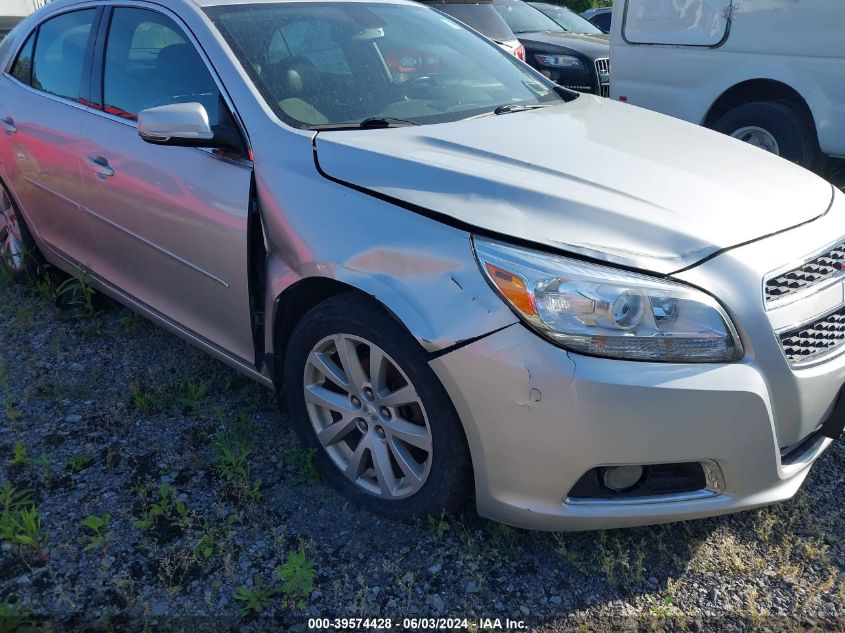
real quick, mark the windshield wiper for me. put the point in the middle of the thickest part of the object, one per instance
(518, 107)
(384, 121)
(372, 123)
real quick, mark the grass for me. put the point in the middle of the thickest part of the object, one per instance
(175, 398)
(438, 526)
(256, 598)
(78, 462)
(301, 460)
(96, 531)
(296, 582)
(166, 508)
(232, 450)
(20, 521)
(14, 619)
(297, 577)
(18, 455)
(212, 539)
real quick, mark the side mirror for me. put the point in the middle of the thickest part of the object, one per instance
(179, 124)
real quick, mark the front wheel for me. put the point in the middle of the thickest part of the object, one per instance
(776, 127)
(358, 390)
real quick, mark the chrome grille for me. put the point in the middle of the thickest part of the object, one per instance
(815, 340)
(824, 267)
(603, 70)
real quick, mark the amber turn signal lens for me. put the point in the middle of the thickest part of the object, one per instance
(513, 288)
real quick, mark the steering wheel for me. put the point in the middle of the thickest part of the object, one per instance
(418, 83)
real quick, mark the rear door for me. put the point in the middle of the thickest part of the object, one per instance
(42, 107)
(171, 222)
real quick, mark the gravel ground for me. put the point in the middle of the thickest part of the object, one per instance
(209, 499)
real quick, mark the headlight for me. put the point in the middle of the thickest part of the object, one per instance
(604, 311)
(559, 61)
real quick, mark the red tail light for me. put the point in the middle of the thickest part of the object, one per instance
(519, 51)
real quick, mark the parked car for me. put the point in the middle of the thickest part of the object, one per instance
(468, 282)
(481, 16)
(577, 62)
(771, 73)
(600, 18)
(568, 20)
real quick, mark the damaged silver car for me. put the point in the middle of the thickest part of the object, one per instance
(463, 279)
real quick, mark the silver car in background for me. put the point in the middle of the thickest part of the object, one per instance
(461, 278)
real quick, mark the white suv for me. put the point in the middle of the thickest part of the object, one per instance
(770, 72)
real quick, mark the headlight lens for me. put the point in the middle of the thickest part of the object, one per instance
(604, 311)
(559, 61)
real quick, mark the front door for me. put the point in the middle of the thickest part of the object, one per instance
(171, 222)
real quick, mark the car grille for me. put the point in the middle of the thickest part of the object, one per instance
(603, 70)
(824, 267)
(813, 341)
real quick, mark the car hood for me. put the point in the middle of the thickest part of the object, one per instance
(593, 177)
(593, 46)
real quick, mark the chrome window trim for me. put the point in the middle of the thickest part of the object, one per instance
(804, 292)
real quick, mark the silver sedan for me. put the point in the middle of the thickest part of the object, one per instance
(462, 279)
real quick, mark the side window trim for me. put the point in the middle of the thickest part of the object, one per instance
(84, 88)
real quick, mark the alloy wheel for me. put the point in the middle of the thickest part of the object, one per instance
(11, 240)
(368, 416)
(758, 137)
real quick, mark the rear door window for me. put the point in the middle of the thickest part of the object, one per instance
(678, 22)
(22, 68)
(60, 51)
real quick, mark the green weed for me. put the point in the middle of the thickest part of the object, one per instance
(97, 530)
(13, 619)
(18, 455)
(297, 577)
(20, 521)
(256, 598)
(167, 508)
(302, 461)
(232, 451)
(78, 462)
(211, 539)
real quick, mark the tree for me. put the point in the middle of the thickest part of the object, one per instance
(580, 6)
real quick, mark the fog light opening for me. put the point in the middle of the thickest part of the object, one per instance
(623, 478)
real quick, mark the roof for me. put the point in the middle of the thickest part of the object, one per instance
(217, 3)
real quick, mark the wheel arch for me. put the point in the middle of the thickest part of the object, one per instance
(293, 304)
(760, 89)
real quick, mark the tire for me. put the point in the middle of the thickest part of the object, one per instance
(18, 252)
(440, 479)
(794, 136)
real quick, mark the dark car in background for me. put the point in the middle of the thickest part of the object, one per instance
(481, 16)
(7, 23)
(577, 62)
(599, 18)
(568, 20)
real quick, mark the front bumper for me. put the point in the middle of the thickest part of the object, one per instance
(537, 418)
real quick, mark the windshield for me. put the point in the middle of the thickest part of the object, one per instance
(480, 16)
(523, 18)
(320, 65)
(567, 19)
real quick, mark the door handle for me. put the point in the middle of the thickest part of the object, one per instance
(100, 166)
(8, 125)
